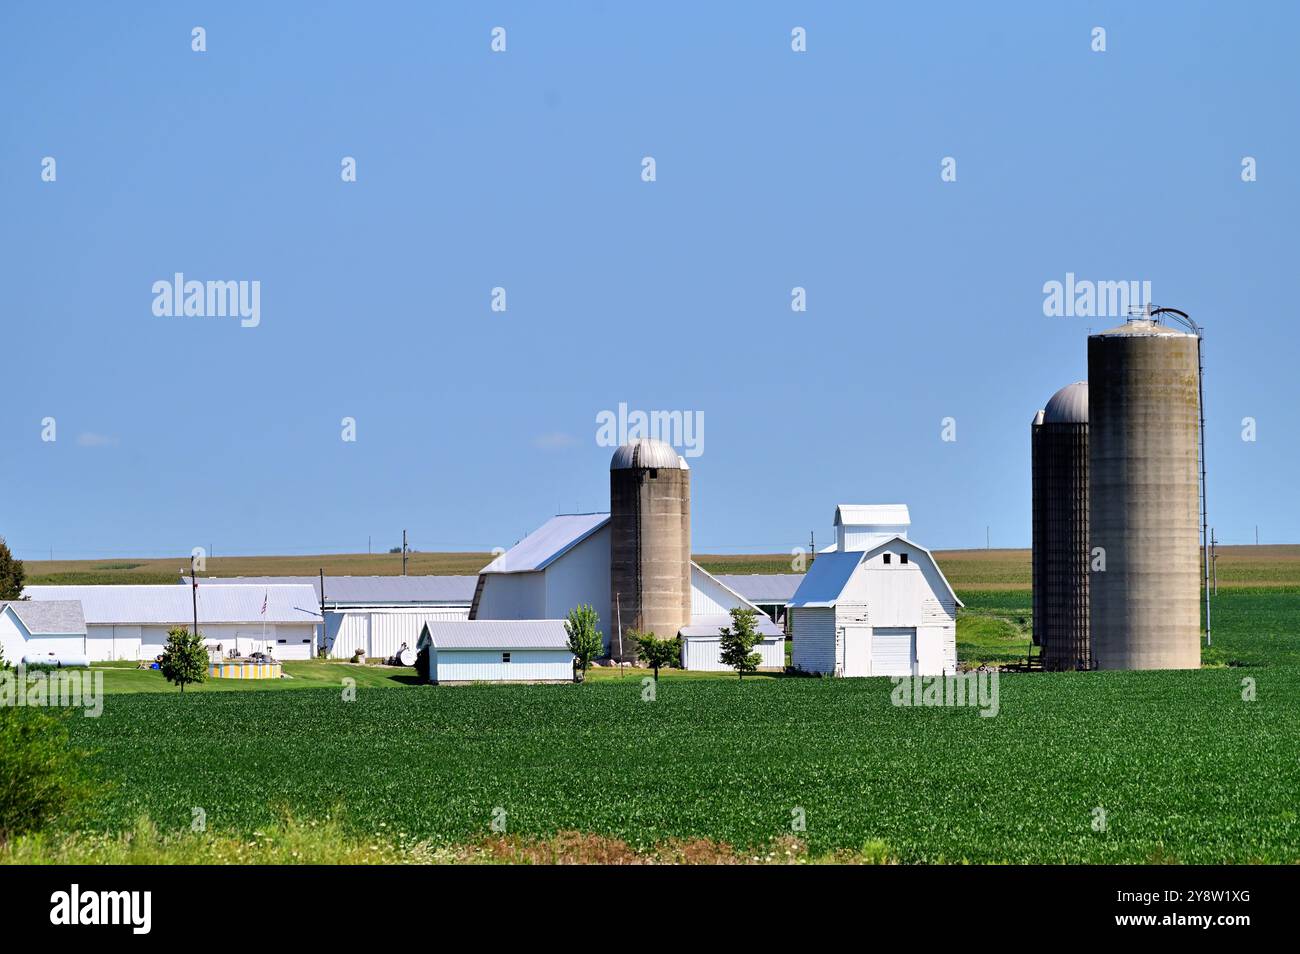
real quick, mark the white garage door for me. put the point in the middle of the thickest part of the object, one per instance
(893, 651)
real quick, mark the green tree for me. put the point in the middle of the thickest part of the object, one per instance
(738, 642)
(657, 653)
(184, 658)
(586, 641)
(11, 574)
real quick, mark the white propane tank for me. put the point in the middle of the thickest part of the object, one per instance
(406, 657)
(63, 661)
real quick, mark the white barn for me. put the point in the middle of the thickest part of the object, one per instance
(566, 562)
(376, 614)
(533, 650)
(38, 629)
(879, 607)
(131, 622)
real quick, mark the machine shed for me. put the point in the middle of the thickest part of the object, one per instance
(497, 650)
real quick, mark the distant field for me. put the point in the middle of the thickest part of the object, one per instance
(1249, 566)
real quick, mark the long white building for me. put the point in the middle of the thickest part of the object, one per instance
(878, 605)
(131, 621)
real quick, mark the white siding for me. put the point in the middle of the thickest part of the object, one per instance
(703, 653)
(105, 643)
(379, 633)
(814, 634)
(13, 638)
(514, 596)
(581, 575)
(711, 598)
(485, 665)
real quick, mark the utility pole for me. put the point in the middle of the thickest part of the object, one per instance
(618, 610)
(403, 553)
(322, 607)
(1256, 534)
(194, 594)
(1214, 559)
(369, 550)
(812, 546)
(988, 538)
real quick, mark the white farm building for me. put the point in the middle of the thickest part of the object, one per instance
(533, 650)
(29, 629)
(131, 622)
(877, 605)
(566, 562)
(376, 614)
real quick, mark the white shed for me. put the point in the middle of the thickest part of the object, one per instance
(883, 611)
(131, 621)
(702, 643)
(522, 650)
(28, 628)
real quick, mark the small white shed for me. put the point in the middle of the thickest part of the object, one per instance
(28, 628)
(702, 643)
(497, 650)
(883, 611)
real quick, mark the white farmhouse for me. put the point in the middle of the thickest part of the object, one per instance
(878, 605)
(131, 621)
(31, 630)
(533, 650)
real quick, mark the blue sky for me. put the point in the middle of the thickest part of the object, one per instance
(522, 169)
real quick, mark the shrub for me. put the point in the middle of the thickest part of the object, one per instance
(586, 641)
(40, 779)
(657, 653)
(184, 659)
(738, 641)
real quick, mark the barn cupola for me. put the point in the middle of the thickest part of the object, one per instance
(862, 526)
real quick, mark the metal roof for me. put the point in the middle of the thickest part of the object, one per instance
(762, 587)
(1068, 405)
(826, 578)
(548, 543)
(867, 515)
(368, 590)
(171, 603)
(647, 453)
(496, 634)
(707, 626)
(1143, 328)
(49, 618)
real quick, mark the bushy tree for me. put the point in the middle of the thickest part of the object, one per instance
(184, 658)
(738, 642)
(657, 653)
(586, 641)
(11, 574)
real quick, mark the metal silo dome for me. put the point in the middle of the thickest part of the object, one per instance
(647, 453)
(1068, 405)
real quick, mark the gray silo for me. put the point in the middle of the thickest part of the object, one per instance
(1144, 417)
(1059, 440)
(650, 542)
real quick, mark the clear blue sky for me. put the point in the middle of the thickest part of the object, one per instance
(523, 170)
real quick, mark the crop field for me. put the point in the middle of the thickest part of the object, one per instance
(967, 570)
(1182, 766)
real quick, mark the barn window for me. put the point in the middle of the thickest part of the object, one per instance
(902, 558)
(654, 472)
(887, 557)
(505, 657)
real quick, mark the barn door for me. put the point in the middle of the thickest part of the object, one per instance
(893, 651)
(857, 651)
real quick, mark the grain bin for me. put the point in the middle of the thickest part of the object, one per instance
(1144, 414)
(1059, 441)
(650, 542)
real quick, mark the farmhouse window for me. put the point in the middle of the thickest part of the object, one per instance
(505, 657)
(902, 558)
(887, 556)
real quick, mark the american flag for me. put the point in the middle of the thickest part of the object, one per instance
(264, 596)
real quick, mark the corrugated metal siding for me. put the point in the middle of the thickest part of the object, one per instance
(389, 630)
(703, 654)
(526, 665)
(813, 630)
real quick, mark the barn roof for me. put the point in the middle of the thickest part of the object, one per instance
(707, 626)
(369, 589)
(548, 543)
(49, 618)
(823, 587)
(762, 587)
(495, 634)
(170, 603)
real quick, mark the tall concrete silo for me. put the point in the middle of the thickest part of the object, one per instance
(1060, 526)
(1144, 417)
(650, 542)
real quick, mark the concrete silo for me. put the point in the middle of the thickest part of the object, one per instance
(1059, 440)
(1144, 417)
(650, 542)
